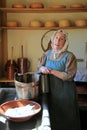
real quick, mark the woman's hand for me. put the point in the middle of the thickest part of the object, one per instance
(45, 70)
(59, 74)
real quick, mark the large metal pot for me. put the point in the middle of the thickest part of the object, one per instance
(27, 85)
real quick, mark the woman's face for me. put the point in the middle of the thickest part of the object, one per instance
(58, 41)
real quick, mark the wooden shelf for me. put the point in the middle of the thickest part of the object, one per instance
(82, 101)
(81, 90)
(43, 10)
(82, 104)
(4, 80)
(82, 96)
(41, 28)
(0, 28)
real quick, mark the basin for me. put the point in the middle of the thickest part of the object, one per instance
(41, 121)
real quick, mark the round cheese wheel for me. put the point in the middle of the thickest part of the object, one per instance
(35, 23)
(50, 24)
(76, 5)
(36, 5)
(81, 23)
(64, 23)
(18, 6)
(11, 24)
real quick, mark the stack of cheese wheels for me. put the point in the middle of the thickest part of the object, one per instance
(76, 5)
(11, 24)
(36, 5)
(35, 23)
(18, 6)
(64, 23)
(81, 22)
(50, 24)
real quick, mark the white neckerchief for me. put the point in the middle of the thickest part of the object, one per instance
(55, 54)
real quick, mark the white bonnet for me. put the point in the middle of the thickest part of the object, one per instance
(60, 30)
(66, 36)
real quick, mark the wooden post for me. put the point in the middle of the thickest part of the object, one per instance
(3, 39)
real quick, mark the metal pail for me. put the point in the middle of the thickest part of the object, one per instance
(27, 85)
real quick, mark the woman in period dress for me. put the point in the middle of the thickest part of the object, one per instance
(60, 66)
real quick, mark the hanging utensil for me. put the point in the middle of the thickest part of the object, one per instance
(22, 69)
(11, 55)
(44, 40)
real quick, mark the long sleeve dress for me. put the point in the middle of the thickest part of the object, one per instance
(64, 111)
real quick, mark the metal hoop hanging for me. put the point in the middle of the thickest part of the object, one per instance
(49, 43)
